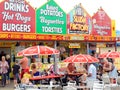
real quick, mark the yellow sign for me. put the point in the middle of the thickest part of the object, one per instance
(117, 63)
(76, 37)
(74, 45)
(113, 28)
(79, 23)
(99, 45)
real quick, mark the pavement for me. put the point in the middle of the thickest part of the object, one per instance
(7, 87)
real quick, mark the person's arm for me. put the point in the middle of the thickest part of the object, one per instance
(19, 70)
(21, 61)
(89, 72)
(7, 66)
(107, 68)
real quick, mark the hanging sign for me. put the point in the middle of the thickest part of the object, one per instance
(74, 45)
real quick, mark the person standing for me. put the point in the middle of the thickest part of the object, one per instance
(9, 69)
(92, 74)
(16, 69)
(110, 68)
(24, 64)
(4, 69)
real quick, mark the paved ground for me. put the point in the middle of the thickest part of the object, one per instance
(8, 87)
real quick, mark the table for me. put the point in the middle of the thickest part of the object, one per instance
(75, 74)
(45, 77)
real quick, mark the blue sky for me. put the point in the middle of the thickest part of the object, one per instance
(91, 6)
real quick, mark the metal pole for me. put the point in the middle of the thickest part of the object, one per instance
(115, 45)
(87, 47)
(55, 58)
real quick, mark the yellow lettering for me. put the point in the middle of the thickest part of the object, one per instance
(15, 36)
(3, 35)
(29, 36)
(79, 19)
(41, 37)
(78, 27)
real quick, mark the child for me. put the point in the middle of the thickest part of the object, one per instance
(26, 77)
(16, 69)
(27, 74)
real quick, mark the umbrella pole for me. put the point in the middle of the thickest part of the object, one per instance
(87, 47)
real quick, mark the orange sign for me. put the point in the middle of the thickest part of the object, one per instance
(15, 36)
(4, 36)
(29, 36)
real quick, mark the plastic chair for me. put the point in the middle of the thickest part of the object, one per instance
(69, 88)
(98, 85)
(107, 83)
(71, 83)
(118, 80)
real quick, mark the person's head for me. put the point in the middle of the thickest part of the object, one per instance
(105, 60)
(100, 67)
(3, 58)
(33, 60)
(16, 61)
(93, 53)
(33, 66)
(85, 66)
(2, 52)
(7, 57)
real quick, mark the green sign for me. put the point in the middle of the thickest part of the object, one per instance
(50, 19)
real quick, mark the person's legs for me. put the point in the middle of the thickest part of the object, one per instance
(8, 78)
(3, 80)
(77, 80)
(15, 80)
(22, 73)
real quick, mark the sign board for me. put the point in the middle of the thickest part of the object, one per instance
(74, 45)
(101, 23)
(16, 16)
(50, 19)
(79, 21)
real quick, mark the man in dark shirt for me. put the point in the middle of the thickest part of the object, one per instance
(16, 69)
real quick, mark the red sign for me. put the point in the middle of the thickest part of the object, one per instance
(17, 16)
(101, 23)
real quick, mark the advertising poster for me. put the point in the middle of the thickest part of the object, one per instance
(50, 19)
(101, 23)
(17, 16)
(79, 21)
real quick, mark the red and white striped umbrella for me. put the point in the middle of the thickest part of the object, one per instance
(38, 50)
(81, 58)
(112, 54)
